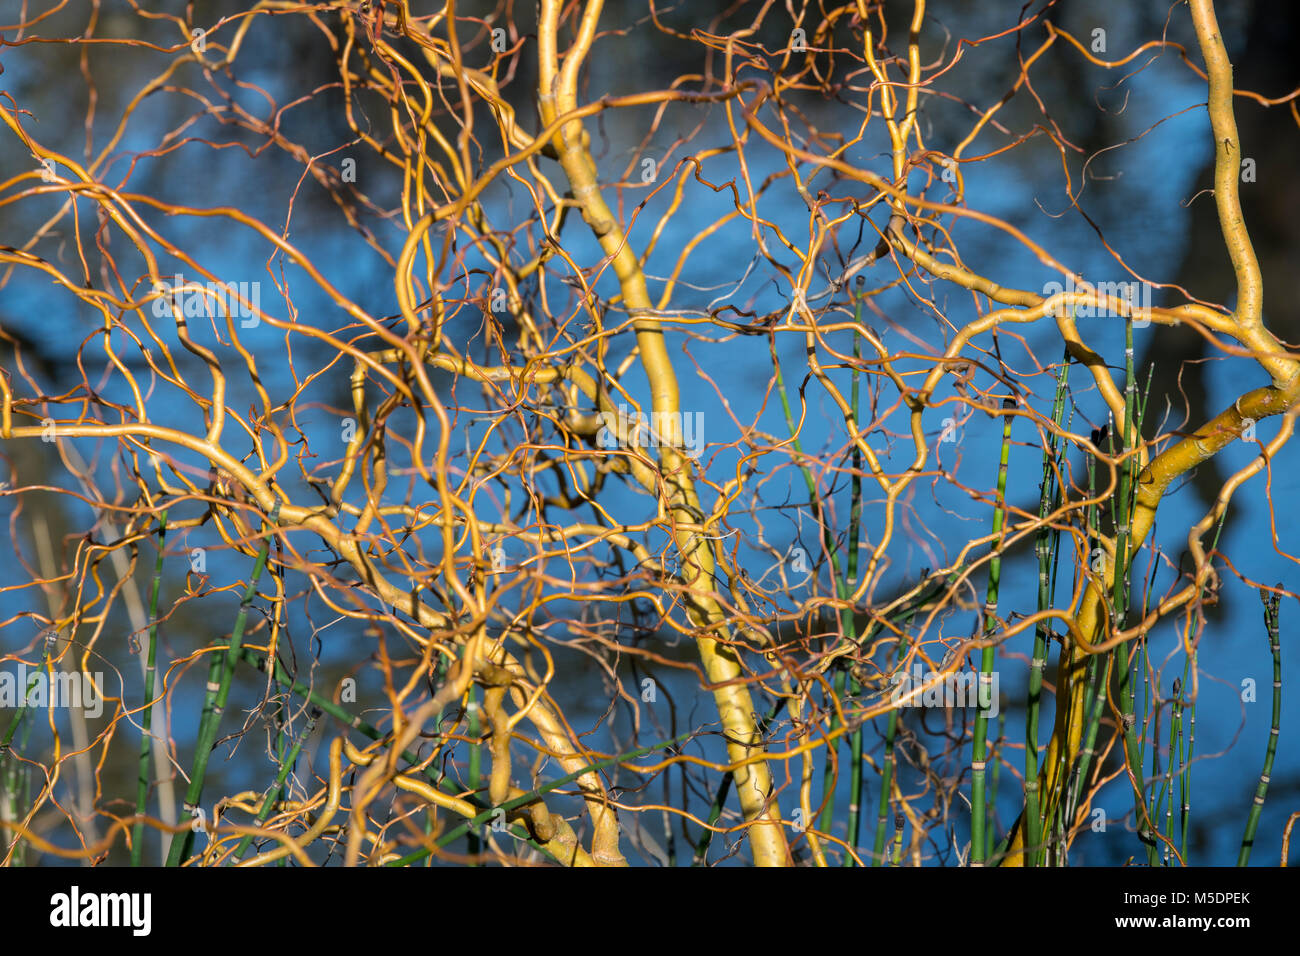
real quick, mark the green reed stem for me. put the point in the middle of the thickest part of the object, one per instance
(1046, 547)
(1186, 775)
(475, 766)
(1175, 761)
(1272, 604)
(886, 775)
(220, 677)
(327, 706)
(995, 758)
(899, 821)
(855, 739)
(276, 790)
(146, 718)
(11, 768)
(981, 838)
(1124, 658)
(843, 583)
(486, 816)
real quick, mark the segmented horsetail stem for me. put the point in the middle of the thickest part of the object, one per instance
(1121, 598)
(220, 672)
(1099, 667)
(475, 765)
(1078, 773)
(887, 775)
(282, 741)
(854, 823)
(1151, 706)
(435, 776)
(1187, 768)
(995, 758)
(1153, 847)
(1123, 502)
(1096, 702)
(1046, 546)
(146, 718)
(1175, 757)
(1164, 784)
(980, 837)
(9, 785)
(15, 793)
(274, 793)
(532, 796)
(886, 782)
(50, 643)
(1272, 601)
(899, 822)
(1127, 663)
(841, 579)
(326, 706)
(1054, 845)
